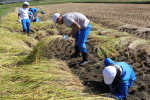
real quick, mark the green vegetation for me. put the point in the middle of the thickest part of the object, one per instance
(6, 8)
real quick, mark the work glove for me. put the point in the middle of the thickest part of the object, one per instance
(19, 20)
(65, 37)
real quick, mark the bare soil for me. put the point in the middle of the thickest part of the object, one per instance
(135, 14)
(91, 74)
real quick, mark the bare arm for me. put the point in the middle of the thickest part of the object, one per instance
(18, 15)
(75, 27)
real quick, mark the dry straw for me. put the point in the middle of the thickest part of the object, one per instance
(48, 47)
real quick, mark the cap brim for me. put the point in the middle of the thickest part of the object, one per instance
(108, 81)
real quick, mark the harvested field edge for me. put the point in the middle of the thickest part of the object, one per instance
(121, 2)
(141, 32)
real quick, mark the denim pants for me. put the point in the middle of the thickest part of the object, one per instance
(81, 38)
(26, 25)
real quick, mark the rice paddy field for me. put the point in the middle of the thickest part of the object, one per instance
(132, 18)
(39, 67)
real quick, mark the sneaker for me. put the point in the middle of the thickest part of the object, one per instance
(83, 63)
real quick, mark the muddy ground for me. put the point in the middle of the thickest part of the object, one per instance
(91, 74)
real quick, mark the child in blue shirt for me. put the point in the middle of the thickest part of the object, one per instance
(35, 14)
(119, 76)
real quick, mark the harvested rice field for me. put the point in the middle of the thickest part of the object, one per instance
(131, 48)
(120, 32)
(131, 18)
(116, 45)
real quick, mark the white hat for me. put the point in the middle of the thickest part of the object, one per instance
(109, 74)
(26, 3)
(55, 16)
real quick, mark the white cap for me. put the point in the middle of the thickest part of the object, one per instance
(55, 16)
(109, 74)
(26, 3)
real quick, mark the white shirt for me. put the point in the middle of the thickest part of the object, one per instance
(23, 13)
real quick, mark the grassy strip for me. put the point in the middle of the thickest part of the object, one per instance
(6, 8)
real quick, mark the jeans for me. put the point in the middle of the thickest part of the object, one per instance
(81, 38)
(26, 25)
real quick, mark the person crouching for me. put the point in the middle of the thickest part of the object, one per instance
(119, 76)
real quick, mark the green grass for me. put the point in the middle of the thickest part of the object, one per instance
(6, 8)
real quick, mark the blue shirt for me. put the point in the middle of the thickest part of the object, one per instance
(33, 10)
(30, 13)
(128, 77)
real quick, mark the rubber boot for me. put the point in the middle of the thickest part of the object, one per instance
(77, 52)
(85, 59)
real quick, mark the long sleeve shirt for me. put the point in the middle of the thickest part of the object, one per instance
(128, 77)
